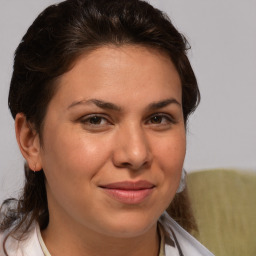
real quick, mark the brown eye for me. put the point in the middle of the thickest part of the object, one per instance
(160, 120)
(156, 119)
(95, 120)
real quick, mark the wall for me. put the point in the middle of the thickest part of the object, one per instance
(222, 34)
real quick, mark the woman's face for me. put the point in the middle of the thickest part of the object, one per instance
(114, 141)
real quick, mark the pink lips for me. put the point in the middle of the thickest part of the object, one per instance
(129, 192)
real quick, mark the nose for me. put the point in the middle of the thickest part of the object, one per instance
(132, 149)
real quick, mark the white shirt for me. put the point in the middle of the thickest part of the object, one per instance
(34, 245)
(189, 246)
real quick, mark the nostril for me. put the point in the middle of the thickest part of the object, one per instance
(126, 164)
(134, 166)
(134, 154)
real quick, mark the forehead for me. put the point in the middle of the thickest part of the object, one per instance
(115, 72)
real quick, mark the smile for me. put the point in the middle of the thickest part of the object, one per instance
(129, 192)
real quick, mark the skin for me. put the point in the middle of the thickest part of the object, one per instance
(136, 139)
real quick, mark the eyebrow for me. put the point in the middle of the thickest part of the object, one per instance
(163, 103)
(108, 105)
(99, 103)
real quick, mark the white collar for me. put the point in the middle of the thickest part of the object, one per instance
(41, 241)
(188, 244)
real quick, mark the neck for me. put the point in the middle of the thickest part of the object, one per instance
(83, 242)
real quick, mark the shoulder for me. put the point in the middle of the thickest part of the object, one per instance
(187, 243)
(29, 246)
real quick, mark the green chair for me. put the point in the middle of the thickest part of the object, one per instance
(224, 204)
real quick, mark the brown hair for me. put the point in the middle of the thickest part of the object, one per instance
(58, 36)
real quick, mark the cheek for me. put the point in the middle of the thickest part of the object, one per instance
(170, 155)
(171, 152)
(69, 156)
(71, 160)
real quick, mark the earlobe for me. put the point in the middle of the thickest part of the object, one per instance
(28, 141)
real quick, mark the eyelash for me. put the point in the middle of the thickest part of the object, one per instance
(88, 120)
(169, 119)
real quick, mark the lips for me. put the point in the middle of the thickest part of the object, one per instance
(129, 185)
(128, 192)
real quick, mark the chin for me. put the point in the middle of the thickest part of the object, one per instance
(130, 225)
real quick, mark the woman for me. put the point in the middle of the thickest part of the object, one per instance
(101, 92)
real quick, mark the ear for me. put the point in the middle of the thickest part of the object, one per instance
(28, 141)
